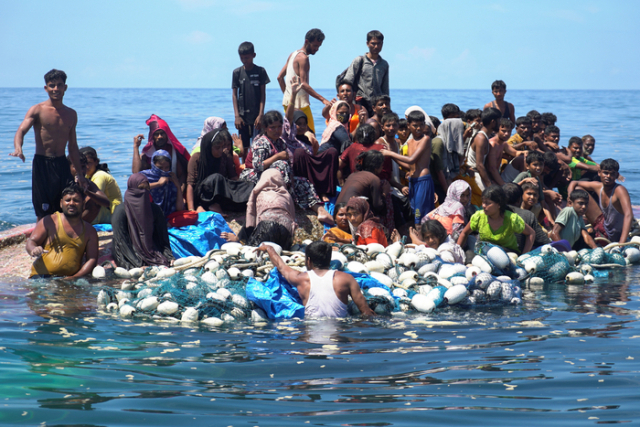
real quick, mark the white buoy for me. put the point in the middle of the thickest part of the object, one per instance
(190, 315)
(258, 315)
(357, 267)
(99, 272)
(225, 293)
(374, 266)
(212, 321)
(382, 278)
(168, 307)
(148, 304)
(216, 296)
(127, 311)
(122, 273)
(482, 264)
(394, 249)
(575, 278)
(422, 303)
(212, 265)
(234, 273)
(240, 301)
(164, 273)
(498, 257)
(410, 274)
(374, 248)
(455, 294)
(136, 272)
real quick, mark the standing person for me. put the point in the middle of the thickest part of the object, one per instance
(298, 65)
(477, 154)
(59, 241)
(369, 73)
(54, 125)
(100, 175)
(499, 90)
(248, 85)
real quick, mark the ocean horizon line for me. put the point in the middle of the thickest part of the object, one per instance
(323, 89)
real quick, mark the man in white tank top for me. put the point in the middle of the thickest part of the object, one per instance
(298, 65)
(324, 292)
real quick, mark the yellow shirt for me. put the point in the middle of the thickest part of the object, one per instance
(64, 257)
(108, 185)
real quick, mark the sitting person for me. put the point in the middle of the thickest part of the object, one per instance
(210, 123)
(166, 191)
(234, 152)
(61, 240)
(434, 235)
(366, 228)
(453, 213)
(534, 174)
(271, 214)
(140, 236)
(212, 181)
(160, 138)
(365, 183)
(365, 141)
(341, 233)
(569, 224)
(95, 199)
(336, 134)
(99, 174)
(582, 169)
(495, 216)
(324, 292)
(514, 195)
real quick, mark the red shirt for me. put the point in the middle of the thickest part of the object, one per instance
(351, 153)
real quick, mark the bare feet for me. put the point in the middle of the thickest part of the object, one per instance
(395, 236)
(229, 237)
(323, 215)
(200, 209)
(415, 236)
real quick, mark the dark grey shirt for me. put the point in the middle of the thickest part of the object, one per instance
(374, 78)
(530, 219)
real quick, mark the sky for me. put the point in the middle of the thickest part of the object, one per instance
(550, 45)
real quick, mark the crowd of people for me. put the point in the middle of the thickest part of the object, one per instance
(372, 176)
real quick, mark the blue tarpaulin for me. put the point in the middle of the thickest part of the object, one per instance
(200, 238)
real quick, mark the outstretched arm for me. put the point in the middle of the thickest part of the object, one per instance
(423, 145)
(462, 239)
(293, 276)
(531, 237)
(303, 72)
(24, 127)
(358, 298)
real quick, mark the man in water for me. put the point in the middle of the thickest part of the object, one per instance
(324, 292)
(59, 241)
(54, 125)
(298, 65)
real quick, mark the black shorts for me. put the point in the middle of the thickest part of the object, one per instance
(246, 133)
(49, 176)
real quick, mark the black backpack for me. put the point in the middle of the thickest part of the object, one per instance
(358, 71)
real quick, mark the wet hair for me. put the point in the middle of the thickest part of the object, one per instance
(54, 75)
(337, 208)
(375, 34)
(433, 227)
(524, 120)
(588, 138)
(506, 123)
(435, 121)
(366, 135)
(92, 154)
(271, 231)
(534, 156)
(319, 253)
(246, 48)
(548, 119)
(513, 192)
(550, 160)
(609, 165)
(575, 140)
(449, 110)
(214, 138)
(496, 194)
(402, 123)
(376, 99)
(498, 84)
(416, 116)
(270, 118)
(390, 117)
(534, 115)
(369, 161)
(579, 194)
(73, 188)
(529, 186)
(551, 129)
(314, 35)
(472, 114)
(490, 114)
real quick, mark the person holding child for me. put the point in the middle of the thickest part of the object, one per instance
(165, 188)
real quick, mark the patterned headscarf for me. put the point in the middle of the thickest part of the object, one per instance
(333, 121)
(369, 221)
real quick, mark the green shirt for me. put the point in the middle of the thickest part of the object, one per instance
(576, 173)
(572, 225)
(505, 235)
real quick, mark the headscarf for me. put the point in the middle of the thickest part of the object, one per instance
(155, 123)
(140, 220)
(271, 200)
(451, 205)
(369, 221)
(206, 165)
(333, 121)
(210, 123)
(164, 196)
(427, 119)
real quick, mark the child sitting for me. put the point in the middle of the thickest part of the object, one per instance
(434, 235)
(365, 141)
(569, 224)
(531, 197)
(535, 167)
(365, 227)
(495, 216)
(340, 233)
(452, 213)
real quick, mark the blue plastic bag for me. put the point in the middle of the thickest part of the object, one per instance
(200, 238)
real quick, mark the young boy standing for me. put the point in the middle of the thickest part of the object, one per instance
(248, 85)
(477, 154)
(54, 125)
(569, 224)
(499, 90)
(497, 146)
(421, 190)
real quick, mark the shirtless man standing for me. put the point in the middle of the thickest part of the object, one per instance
(324, 292)
(54, 125)
(298, 65)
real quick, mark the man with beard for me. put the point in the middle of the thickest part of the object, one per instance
(59, 241)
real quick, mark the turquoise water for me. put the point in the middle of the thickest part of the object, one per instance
(569, 355)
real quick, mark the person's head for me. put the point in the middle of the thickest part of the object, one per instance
(55, 84)
(450, 111)
(505, 126)
(490, 117)
(550, 162)
(137, 181)
(162, 160)
(460, 191)
(93, 162)
(345, 91)
(552, 134)
(433, 233)
(473, 117)
(160, 139)
(272, 124)
(381, 105)
(301, 121)
(318, 255)
(494, 201)
(575, 146)
(536, 121)
(535, 163)
(313, 40)
(523, 127)
(358, 211)
(416, 124)
(530, 195)
(579, 201)
(83, 165)
(435, 122)
(548, 119)
(343, 112)
(499, 89)
(213, 143)
(390, 124)
(366, 135)
(247, 53)
(72, 201)
(403, 130)
(514, 193)
(588, 145)
(375, 40)
(340, 216)
(609, 172)
(370, 161)
(271, 231)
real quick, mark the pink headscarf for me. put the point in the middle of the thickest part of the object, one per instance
(155, 123)
(333, 121)
(211, 123)
(451, 205)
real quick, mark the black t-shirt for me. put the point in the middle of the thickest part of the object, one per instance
(530, 219)
(247, 84)
(339, 140)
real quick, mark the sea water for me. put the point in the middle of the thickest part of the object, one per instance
(569, 355)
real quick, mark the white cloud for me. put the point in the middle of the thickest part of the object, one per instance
(198, 37)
